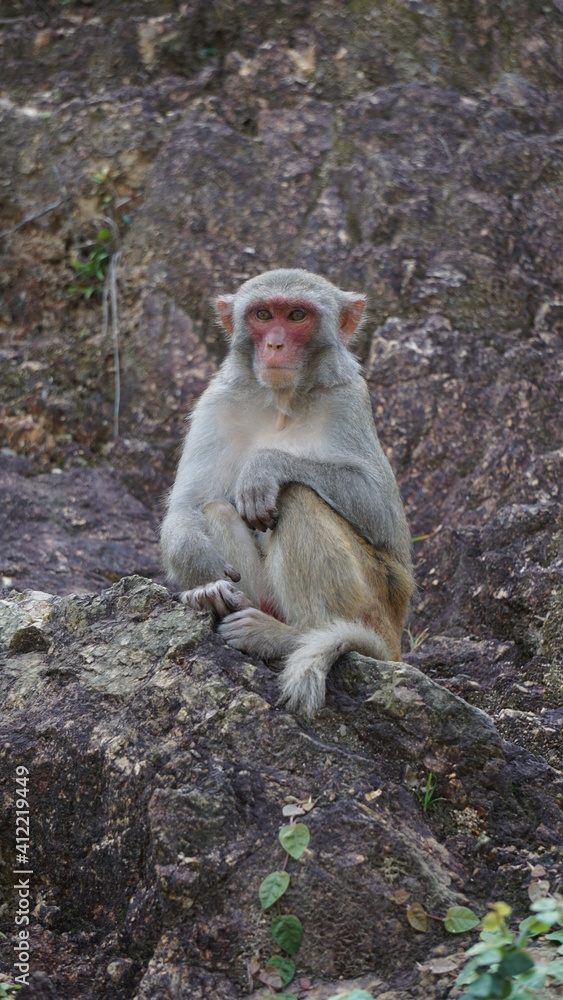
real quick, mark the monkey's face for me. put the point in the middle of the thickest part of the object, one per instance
(281, 330)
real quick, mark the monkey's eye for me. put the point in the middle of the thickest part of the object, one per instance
(263, 314)
(297, 315)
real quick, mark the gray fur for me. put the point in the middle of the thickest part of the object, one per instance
(246, 442)
(303, 679)
(233, 449)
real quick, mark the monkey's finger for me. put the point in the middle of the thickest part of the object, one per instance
(224, 598)
(237, 601)
(258, 511)
(266, 507)
(247, 510)
(268, 516)
(231, 572)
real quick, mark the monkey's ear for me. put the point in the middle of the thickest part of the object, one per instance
(224, 307)
(350, 316)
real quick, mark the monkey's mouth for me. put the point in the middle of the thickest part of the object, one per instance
(278, 375)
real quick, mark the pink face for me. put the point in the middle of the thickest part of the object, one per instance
(280, 327)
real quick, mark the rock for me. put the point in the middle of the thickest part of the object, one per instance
(407, 150)
(158, 768)
(73, 532)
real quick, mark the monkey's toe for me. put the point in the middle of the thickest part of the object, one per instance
(244, 630)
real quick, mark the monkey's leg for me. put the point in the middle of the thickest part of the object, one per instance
(320, 569)
(230, 536)
(336, 589)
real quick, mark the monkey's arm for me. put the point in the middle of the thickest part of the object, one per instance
(187, 553)
(364, 494)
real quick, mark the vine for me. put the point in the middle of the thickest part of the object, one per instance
(286, 928)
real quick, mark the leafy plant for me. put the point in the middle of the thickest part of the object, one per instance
(108, 190)
(7, 990)
(93, 258)
(428, 797)
(102, 187)
(92, 267)
(416, 641)
(286, 928)
(353, 995)
(499, 965)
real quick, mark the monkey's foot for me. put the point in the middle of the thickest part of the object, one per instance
(220, 597)
(254, 632)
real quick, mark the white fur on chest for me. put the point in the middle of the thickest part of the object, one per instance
(226, 433)
(266, 428)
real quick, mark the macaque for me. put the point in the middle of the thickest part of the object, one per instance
(285, 518)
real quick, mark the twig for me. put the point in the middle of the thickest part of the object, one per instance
(110, 285)
(31, 218)
(423, 538)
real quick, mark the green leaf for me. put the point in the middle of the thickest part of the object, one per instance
(468, 973)
(555, 969)
(498, 937)
(287, 932)
(518, 993)
(556, 936)
(515, 962)
(103, 234)
(294, 839)
(285, 967)
(272, 888)
(483, 986)
(353, 995)
(534, 979)
(278, 996)
(541, 905)
(489, 957)
(530, 927)
(482, 948)
(460, 919)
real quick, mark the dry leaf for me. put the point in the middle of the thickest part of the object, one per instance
(293, 811)
(441, 965)
(416, 916)
(270, 977)
(400, 897)
(303, 59)
(538, 890)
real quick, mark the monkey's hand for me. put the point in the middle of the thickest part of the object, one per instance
(256, 493)
(220, 597)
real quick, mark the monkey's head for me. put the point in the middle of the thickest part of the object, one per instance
(289, 323)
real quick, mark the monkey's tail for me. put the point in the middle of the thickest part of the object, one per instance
(303, 679)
